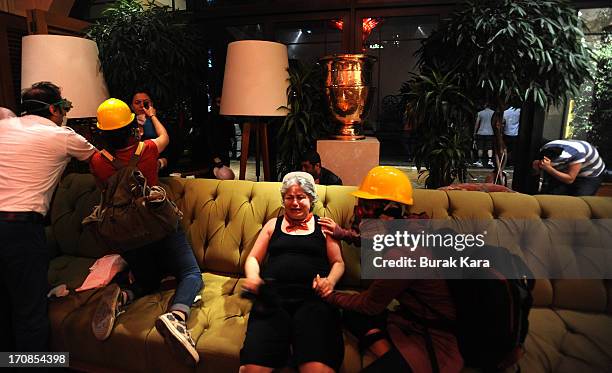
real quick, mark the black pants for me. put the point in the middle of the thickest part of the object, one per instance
(582, 186)
(359, 325)
(24, 263)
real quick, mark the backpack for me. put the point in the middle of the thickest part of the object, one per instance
(131, 214)
(492, 310)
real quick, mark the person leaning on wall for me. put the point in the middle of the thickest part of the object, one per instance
(34, 151)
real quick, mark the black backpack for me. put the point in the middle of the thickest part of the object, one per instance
(492, 310)
(131, 214)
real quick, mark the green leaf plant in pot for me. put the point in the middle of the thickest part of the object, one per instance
(442, 115)
(511, 52)
(152, 47)
(306, 121)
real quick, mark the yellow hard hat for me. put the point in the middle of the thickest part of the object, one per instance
(386, 182)
(114, 114)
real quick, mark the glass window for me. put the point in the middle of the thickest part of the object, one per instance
(393, 42)
(308, 41)
(245, 32)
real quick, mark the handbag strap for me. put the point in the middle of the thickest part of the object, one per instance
(118, 164)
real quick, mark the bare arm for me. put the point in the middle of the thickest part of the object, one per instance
(564, 177)
(325, 286)
(329, 226)
(162, 140)
(256, 256)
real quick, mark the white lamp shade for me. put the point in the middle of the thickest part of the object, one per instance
(256, 79)
(69, 62)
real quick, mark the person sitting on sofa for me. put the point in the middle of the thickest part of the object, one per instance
(395, 340)
(302, 262)
(149, 263)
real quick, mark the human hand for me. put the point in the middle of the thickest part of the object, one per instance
(150, 111)
(252, 284)
(323, 286)
(328, 226)
(545, 164)
(162, 163)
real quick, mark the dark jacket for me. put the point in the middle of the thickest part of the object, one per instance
(329, 178)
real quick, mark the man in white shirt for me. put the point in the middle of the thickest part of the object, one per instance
(512, 117)
(6, 113)
(483, 134)
(34, 151)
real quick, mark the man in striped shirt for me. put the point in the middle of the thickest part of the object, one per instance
(572, 167)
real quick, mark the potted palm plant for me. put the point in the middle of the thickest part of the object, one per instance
(512, 52)
(148, 46)
(306, 121)
(442, 116)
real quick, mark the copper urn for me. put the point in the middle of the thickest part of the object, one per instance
(349, 91)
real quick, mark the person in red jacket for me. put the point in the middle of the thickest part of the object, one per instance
(396, 339)
(172, 255)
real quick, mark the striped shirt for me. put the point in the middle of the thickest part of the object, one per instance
(576, 151)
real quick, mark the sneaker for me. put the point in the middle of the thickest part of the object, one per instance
(477, 164)
(490, 164)
(106, 312)
(178, 338)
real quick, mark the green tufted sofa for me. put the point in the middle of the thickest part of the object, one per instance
(571, 324)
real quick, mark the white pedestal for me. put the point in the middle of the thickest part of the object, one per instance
(350, 160)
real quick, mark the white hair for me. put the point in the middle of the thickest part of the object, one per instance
(305, 181)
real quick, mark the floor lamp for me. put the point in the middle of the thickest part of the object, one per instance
(254, 88)
(69, 62)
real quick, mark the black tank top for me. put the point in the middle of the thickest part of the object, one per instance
(295, 260)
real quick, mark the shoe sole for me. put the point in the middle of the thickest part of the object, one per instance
(108, 299)
(187, 354)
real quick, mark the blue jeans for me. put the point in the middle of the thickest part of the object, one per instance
(172, 255)
(24, 263)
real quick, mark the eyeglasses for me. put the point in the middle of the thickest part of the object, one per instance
(64, 104)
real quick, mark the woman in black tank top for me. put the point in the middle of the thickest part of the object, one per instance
(303, 265)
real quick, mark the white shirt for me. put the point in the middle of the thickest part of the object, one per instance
(512, 116)
(34, 152)
(484, 118)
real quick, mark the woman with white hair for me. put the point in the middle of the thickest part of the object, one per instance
(303, 265)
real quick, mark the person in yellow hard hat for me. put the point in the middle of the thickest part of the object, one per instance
(150, 263)
(394, 337)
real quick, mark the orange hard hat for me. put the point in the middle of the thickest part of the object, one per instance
(386, 182)
(114, 114)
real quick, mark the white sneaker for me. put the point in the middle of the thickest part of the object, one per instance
(490, 164)
(477, 164)
(178, 338)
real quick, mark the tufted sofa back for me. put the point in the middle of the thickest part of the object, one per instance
(223, 218)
